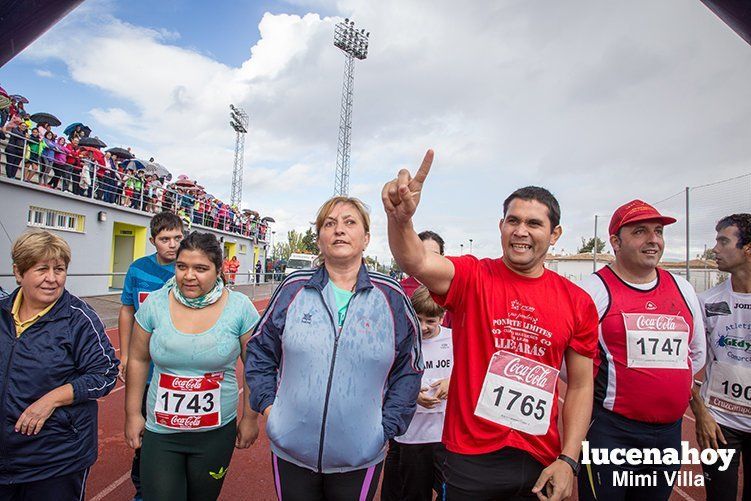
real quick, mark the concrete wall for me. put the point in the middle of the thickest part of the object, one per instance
(92, 249)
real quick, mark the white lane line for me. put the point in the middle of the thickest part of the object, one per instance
(122, 387)
(678, 491)
(114, 485)
(689, 417)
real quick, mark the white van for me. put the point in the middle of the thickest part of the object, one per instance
(299, 262)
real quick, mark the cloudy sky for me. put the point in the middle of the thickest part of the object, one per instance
(601, 102)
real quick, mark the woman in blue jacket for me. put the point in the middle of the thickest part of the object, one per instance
(55, 361)
(335, 366)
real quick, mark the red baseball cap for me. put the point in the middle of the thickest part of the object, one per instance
(633, 211)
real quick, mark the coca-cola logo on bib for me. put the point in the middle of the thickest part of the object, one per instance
(190, 384)
(532, 374)
(187, 384)
(655, 323)
(185, 421)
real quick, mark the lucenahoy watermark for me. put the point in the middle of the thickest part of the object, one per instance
(654, 456)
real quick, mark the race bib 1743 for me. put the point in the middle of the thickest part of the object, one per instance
(518, 392)
(189, 402)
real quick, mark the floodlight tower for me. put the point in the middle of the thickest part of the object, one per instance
(239, 122)
(354, 44)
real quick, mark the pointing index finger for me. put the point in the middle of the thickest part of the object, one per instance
(424, 169)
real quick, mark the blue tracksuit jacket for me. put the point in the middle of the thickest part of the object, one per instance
(339, 394)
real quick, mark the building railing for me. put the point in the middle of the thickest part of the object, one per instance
(89, 179)
(254, 280)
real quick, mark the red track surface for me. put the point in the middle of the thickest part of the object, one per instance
(249, 475)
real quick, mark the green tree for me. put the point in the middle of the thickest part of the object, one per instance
(707, 254)
(310, 242)
(587, 245)
(294, 243)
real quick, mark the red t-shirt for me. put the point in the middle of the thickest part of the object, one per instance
(494, 310)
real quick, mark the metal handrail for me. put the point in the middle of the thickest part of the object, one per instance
(249, 274)
(112, 190)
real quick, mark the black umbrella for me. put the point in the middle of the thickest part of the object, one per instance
(45, 118)
(120, 152)
(93, 142)
(158, 169)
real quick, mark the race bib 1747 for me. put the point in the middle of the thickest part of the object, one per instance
(656, 341)
(189, 402)
(518, 392)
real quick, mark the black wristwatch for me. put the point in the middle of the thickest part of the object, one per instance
(571, 462)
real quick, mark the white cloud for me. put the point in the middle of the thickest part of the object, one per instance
(599, 102)
(44, 73)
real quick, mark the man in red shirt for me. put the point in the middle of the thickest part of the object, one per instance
(514, 324)
(432, 242)
(651, 343)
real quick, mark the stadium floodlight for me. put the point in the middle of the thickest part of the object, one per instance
(239, 122)
(354, 44)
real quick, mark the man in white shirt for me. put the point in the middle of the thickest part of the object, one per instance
(723, 407)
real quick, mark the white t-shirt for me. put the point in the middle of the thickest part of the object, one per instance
(427, 425)
(596, 289)
(727, 316)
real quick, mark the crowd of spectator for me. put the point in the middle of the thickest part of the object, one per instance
(73, 161)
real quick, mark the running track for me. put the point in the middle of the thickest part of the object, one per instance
(249, 475)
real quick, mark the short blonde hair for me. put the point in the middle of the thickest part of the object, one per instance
(34, 246)
(423, 303)
(332, 202)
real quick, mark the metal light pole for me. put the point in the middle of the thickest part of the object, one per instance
(354, 44)
(470, 245)
(239, 122)
(594, 250)
(461, 249)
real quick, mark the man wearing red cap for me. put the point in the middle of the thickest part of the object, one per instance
(651, 340)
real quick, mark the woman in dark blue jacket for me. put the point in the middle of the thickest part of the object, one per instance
(55, 361)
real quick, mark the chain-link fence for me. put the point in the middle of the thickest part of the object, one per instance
(689, 240)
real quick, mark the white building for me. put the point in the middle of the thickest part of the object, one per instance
(104, 238)
(703, 273)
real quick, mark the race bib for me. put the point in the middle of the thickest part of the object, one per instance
(518, 393)
(656, 341)
(730, 388)
(189, 402)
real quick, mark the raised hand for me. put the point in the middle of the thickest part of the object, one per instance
(402, 195)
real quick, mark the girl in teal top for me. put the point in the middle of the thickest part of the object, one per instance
(194, 330)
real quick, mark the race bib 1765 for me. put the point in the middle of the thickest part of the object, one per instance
(518, 392)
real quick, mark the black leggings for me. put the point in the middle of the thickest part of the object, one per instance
(188, 466)
(610, 430)
(413, 471)
(723, 485)
(295, 483)
(504, 475)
